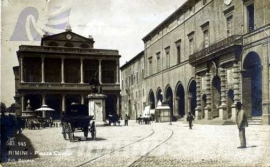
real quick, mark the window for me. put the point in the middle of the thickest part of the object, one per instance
(150, 65)
(158, 62)
(167, 51)
(191, 42)
(178, 51)
(205, 30)
(250, 17)
(142, 73)
(229, 26)
(206, 38)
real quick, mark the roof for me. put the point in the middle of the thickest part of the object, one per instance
(172, 16)
(139, 55)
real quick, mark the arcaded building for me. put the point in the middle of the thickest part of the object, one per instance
(58, 73)
(208, 55)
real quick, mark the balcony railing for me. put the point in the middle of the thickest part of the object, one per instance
(67, 50)
(204, 54)
(64, 86)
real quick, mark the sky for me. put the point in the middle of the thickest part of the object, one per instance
(114, 24)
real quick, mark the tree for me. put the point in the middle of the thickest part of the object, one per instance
(11, 108)
(3, 107)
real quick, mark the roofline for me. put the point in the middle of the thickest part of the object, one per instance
(132, 60)
(167, 19)
(49, 36)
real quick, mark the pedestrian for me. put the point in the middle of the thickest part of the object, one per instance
(93, 130)
(50, 122)
(190, 118)
(241, 121)
(126, 120)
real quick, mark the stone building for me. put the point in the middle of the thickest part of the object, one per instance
(132, 92)
(208, 55)
(58, 73)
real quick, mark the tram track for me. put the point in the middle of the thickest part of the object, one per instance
(143, 157)
(102, 155)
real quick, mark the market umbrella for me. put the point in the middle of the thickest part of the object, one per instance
(44, 108)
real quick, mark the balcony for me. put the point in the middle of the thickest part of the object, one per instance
(64, 86)
(214, 50)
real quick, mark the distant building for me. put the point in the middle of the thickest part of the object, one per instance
(208, 55)
(58, 73)
(132, 92)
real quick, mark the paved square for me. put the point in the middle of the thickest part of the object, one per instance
(158, 144)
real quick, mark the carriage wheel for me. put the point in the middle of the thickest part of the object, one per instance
(85, 131)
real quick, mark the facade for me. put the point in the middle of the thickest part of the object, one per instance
(59, 71)
(208, 55)
(132, 92)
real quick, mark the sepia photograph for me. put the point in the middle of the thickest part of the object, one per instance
(124, 83)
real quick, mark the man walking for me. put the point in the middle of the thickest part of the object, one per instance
(126, 120)
(241, 121)
(190, 118)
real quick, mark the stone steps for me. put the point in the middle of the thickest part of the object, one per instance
(255, 121)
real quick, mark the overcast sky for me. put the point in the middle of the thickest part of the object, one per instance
(114, 24)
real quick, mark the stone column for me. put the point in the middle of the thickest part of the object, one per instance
(198, 110)
(63, 103)
(21, 65)
(62, 70)
(223, 113)
(22, 103)
(236, 88)
(99, 71)
(208, 107)
(42, 70)
(43, 99)
(117, 72)
(82, 75)
(265, 85)
(82, 99)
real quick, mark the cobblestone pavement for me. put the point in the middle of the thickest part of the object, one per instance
(158, 144)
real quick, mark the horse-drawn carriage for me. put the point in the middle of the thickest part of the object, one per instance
(114, 119)
(76, 117)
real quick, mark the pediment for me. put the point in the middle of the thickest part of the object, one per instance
(67, 39)
(67, 36)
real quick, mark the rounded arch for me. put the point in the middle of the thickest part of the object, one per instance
(159, 94)
(192, 94)
(169, 99)
(216, 95)
(180, 99)
(151, 99)
(168, 92)
(252, 84)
